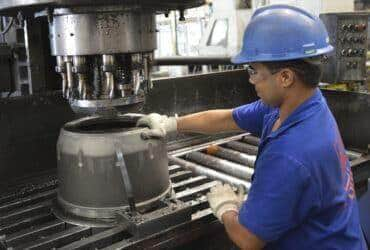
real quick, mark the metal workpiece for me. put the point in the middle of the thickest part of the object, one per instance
(201, 170)
(242, 147)
(232, 155)
(91, 184)
(225, 166)
(103, 33)
(129, 104)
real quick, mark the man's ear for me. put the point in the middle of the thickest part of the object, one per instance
(287, 77)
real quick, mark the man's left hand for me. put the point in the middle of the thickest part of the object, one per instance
(222, 199)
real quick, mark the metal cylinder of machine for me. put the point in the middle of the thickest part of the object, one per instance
(99, 31)
(195, 168)
(61, 69)
(80, 68)
(136, 72)
(108, 68)
(225, 166)
(68, 63)
(91, 153)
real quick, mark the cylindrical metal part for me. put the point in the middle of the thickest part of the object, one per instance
(91, 184)
(79, 60)
(232, 155)
(108, 68)
(79, 67)
(225, 166)
(61, 69)
(255, 141)
(103, 32)
(197, 169)
(68, 62)
(352, 154)
(242, 147)
(108, 60)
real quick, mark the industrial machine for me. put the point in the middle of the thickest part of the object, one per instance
(349, 36)
(93, 183)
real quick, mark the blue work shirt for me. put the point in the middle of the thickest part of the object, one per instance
(302, 194)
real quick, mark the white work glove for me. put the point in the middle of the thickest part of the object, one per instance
(222, 199)
(160, 125)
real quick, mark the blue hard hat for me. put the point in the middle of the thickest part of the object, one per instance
(283, 32)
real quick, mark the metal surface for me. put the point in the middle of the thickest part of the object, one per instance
(202, 60)
(107, 106)
(348, 34)
(103, 33)
(91, 184)
(36, 5)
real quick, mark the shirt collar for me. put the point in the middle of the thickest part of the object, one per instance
(302, 112)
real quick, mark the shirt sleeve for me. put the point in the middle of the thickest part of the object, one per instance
(282, 195)
(250, 117)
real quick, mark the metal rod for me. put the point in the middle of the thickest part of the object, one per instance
(61, 69)
(68, 62)
(197, 169)
(225, 166)
(78, 64)
(231, 155)
(108, 65)
(242, 147)
(352, 154)
(255, 141)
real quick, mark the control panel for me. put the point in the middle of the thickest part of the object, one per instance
(348, 33)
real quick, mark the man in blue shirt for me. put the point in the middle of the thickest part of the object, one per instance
(302, 194)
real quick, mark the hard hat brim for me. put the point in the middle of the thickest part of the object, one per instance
(242, 58)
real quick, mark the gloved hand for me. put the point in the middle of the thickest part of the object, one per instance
(160, 125)
(222, 198)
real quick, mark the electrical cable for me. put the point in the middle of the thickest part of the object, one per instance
(7, 28)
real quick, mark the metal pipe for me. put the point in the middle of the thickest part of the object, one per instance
(136, 60)
(255, 141)
(108, 65)
(197, 169)
(180, 60)
(242, 147)
(68, 62)
(225, 166)
(232, 155)
(61, 69)
(78, 65)
(147, 61)
(352, 154)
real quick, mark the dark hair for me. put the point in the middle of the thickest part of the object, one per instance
(307, 72)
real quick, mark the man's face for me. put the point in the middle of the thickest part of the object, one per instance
(267, 85)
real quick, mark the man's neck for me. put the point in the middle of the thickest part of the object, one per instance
(293, 101)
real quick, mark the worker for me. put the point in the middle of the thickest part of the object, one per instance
(302, 194)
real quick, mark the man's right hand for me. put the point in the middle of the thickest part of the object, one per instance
(160, 125)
